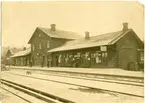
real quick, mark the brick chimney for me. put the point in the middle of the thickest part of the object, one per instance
(87, 35)
(125, 26)
(53, 27)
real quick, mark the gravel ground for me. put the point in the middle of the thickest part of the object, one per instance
(74, 93)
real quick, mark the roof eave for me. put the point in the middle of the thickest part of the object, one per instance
(19, 56)
(76, 48)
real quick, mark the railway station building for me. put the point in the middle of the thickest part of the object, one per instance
(58, 48)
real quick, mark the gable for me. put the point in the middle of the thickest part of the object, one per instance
(130, 40)
(8, 53)
(38, 34)
(139, 41)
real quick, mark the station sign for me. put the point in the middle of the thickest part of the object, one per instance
(103, 48)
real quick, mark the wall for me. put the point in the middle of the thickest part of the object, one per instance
(127, 50)
(21, 61)
(57, 42)
(89, 62)
(112, 56)
(40, 56)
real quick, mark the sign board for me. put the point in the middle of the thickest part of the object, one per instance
(103, 48)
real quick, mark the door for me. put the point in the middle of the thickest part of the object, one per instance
(43, 61)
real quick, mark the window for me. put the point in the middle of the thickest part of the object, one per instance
(103, 48)
(48, 44)
(33, 47)
(104, 57)
(16, 61)
(59, 58)
(21, 62)
(70, 56)
(142, 56)
(40, 47)
(99, 57)
(66, 58)
(87, 55)
(39, 35)
(78, 55)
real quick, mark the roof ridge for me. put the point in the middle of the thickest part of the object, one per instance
(105, 33)
(59, 30)
(68, 34)
(22, 53)
(119, 36)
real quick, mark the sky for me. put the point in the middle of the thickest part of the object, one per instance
(20, 19)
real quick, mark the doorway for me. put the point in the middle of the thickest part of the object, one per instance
(43, 61)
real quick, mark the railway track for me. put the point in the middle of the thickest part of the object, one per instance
(48, 98)
(125, 82)
(88, 75)
(15, 94)
(99, 76)
(134, 83)
(68, 83)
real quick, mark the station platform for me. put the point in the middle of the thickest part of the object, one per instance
(102, 71)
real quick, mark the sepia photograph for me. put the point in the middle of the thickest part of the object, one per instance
(72, 52)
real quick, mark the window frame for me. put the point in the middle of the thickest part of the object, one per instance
(141, 56)
(99, 57)
(40, 45)
(48, 44)
(33, 47)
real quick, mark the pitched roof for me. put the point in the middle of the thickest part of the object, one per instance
(22, 53)
(13, 51)
(6, 50)
(59, 33)
(99, 40)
